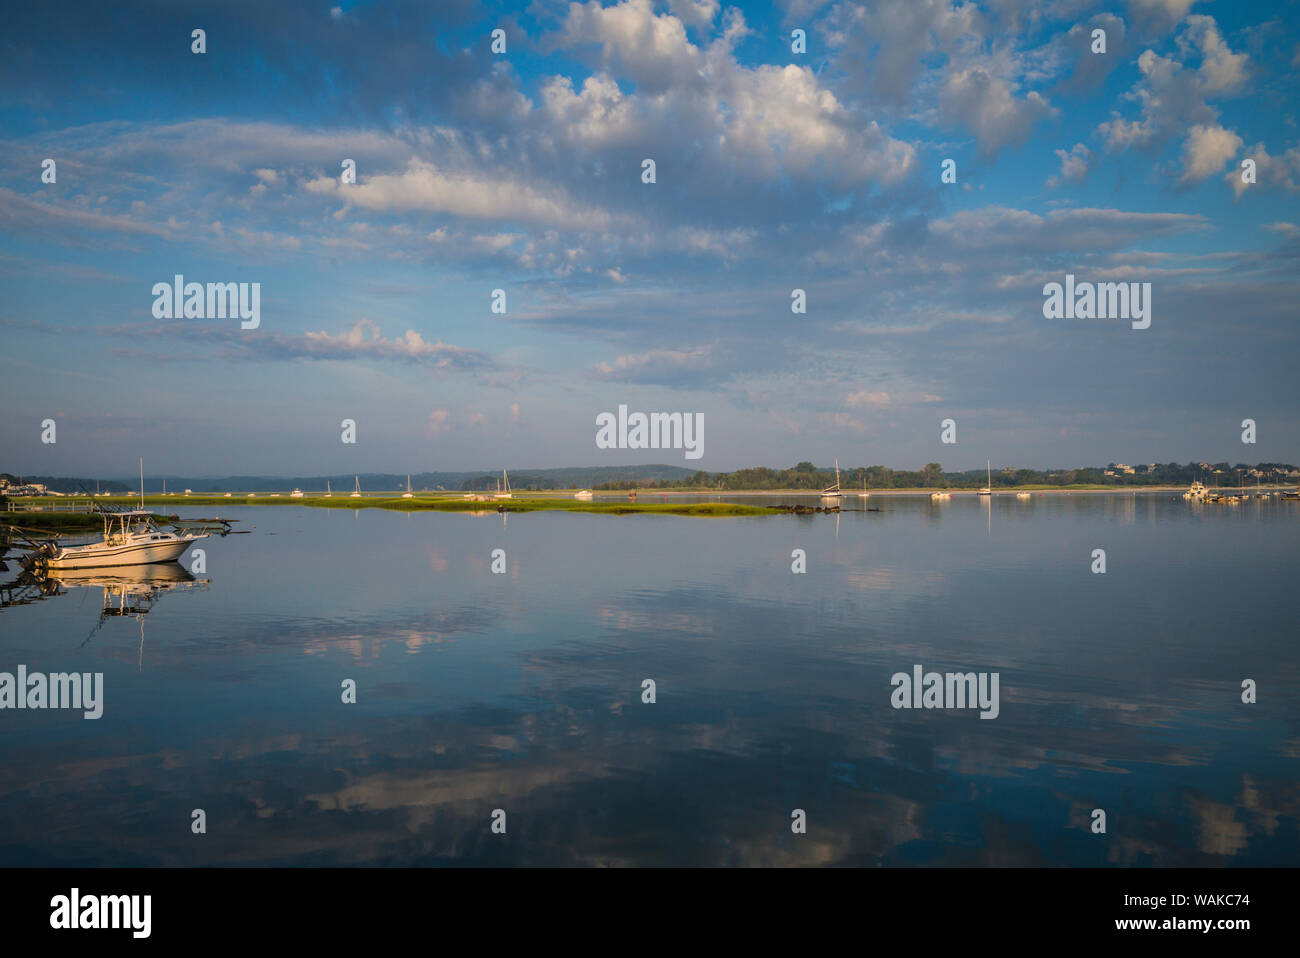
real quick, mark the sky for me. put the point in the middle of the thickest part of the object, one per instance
(775, 169)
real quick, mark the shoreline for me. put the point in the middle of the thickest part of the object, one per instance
(652, 502)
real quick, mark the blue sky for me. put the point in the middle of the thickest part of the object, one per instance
(521, 171)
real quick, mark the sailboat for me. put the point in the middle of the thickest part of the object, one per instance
(407, 493)
(503, 491)
(329, 494)
(988, 490)
(357, 494)
(832, 493)
(864, 494)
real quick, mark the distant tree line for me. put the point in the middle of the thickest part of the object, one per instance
(932, 476)
(522, 482)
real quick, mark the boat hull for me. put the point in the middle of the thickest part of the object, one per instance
(131, 553)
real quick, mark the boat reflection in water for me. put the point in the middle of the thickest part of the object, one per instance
(127, 590)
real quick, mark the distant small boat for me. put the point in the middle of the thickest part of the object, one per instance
(357, 494)
(939, 496)
(328, 493)
(1023, 495)
(988, 490)
(584, 494)
(227, 495)
(1196, 493)
(832, 493)
(296, 494)
(503, 490)
(407, 493)
(252, 495)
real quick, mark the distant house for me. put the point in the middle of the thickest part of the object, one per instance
(1109, 472)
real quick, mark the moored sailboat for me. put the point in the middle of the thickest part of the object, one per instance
(832, 493)
(503, 490)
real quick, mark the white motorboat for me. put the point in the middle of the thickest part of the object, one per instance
(1196, 493)
(130, 538)
(296, 494)
(583, 494)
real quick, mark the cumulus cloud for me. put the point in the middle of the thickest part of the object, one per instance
(1075, 164)
(881, 46)
(1174, 97)
(1205, 151)
(1159, 14)
(987, 105)
(695, 13)
(1281, 172)
(630, 39)
(1091, 69)
(755, 122)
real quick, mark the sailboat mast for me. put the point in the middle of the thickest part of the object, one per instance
(142, 482)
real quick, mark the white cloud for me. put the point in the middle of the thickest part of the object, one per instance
(1173, 97)
(423, 186)
(1074, 165)
(865, 398)
(986, 104)
(438, 421)
(695, 13)
(1205, 151)
(650, 50)
(1281, 171)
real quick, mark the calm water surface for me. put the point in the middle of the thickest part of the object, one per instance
(522, 691)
